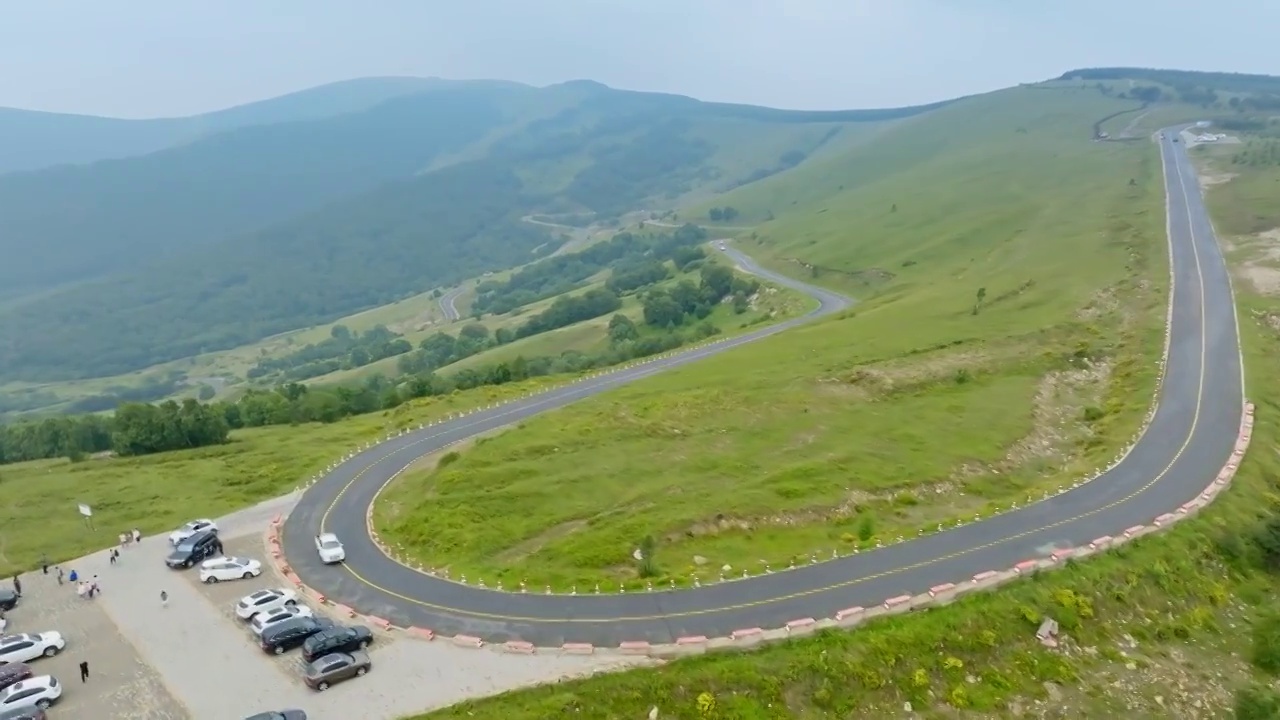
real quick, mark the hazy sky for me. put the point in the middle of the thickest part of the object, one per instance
(146, 58)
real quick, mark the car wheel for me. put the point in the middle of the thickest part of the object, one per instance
(211, 580)
(43, 704)
(246, 576)
(291, 603)
(364, 644)
(362, 671)
(322, 686)
(186, 564)
(279, 649)
(50, 651)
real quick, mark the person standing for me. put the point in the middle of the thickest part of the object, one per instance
(84, 670)
(164, 599)
(17, 584)
(59, 569)
(137, 535)
(44, 564)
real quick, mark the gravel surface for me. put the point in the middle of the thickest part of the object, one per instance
(212, 664)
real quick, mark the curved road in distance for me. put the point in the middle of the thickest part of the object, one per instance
(446, 302)
(1189, 439)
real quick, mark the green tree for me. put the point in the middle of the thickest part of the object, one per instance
(622, 329)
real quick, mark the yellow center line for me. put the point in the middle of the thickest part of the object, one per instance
(813, 591)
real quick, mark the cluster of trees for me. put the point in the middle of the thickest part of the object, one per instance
(342, 350)
(672, 308)
(564, 273)
(1258, 153)
(570, 309)
(134, 429)
(724, 214)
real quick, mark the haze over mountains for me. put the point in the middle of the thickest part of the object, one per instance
(133, 242)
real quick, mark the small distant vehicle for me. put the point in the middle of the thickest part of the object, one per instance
(190, 529)
(8, 599)
(292, 633)
(28, 647)
(14, 672)
(229, 568)
(337, 640)
(323, 672)
(289, 714)
(330, 548)
(194, 549)
(268, 619)
(265, 600)
(41, 692)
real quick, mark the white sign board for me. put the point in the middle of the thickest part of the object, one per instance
(85, 510)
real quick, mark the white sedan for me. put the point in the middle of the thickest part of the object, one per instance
(330, 548)
(190, 529)
(264, 600)
(229, 568)
(24, 648)
(269, 618)
(40, 691)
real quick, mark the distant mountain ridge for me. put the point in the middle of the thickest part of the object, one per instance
(296, 211)
(35, 139)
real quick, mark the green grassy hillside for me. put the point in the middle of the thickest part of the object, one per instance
(1180, 624)
(1012, 275)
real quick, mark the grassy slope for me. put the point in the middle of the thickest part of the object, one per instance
(829, 434)
(1160, 628)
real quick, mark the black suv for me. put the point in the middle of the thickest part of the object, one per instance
(339, 639)
(289, 634)
(8, 599)
(198, 547)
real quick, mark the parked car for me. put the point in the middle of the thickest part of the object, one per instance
(340, 639)
(330, 548)
(14, 672)
(229, 568)
(194, 549)
(29, 713)
(265, 600)
(270, 618)
(335, 667)
(23, 648)
(191, 528)
(8, 599)
(292, 633)
(40, 692)
(291, 714)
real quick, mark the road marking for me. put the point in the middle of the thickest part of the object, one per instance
(1195, 419)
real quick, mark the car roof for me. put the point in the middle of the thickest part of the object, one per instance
(14, 668)
(326, 537)
(284, 625)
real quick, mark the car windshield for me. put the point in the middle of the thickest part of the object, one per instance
(330, 544)
(186, 546)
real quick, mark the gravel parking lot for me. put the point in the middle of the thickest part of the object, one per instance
(212, 664)
(121, 685)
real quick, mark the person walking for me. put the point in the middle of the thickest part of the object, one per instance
(137, 535)
(59, 569)
(164, 599)
(44, 564)
(17, 584)
(84, 670)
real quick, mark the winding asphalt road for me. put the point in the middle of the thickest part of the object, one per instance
(1190, 437)
(446, 302)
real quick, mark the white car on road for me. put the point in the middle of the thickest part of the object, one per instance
(190, 529)
(330, 548)
(264, 600)
(40, 691)
(269, 618)
(24, 648)
(229, 568)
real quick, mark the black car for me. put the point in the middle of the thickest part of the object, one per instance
(8, 599)
(340, 639)
(291, 714)
(289, 634)
(204, 544)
